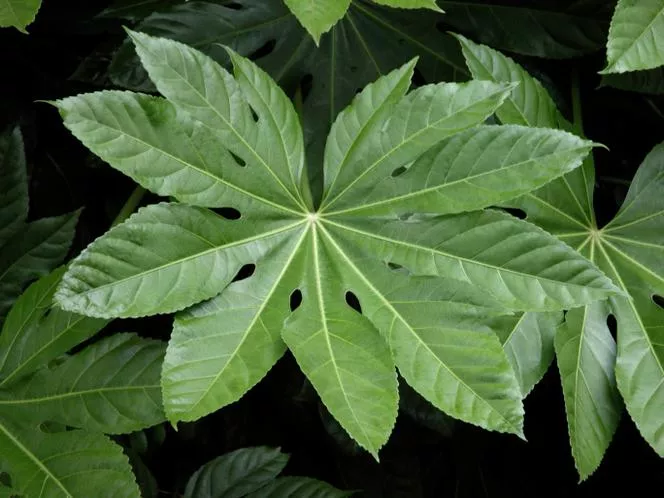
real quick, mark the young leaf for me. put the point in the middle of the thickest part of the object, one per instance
(13, 184)
(111, 386)
(298, 487)
(635, 36)
(18, 13)
(65, 464)
(528, 341)
(35, 332)
(236, 474)
(318, 17)
(586, 355)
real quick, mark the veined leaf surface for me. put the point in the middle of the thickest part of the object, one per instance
(358, 320)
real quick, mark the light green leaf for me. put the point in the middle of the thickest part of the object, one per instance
(68, 464)
(632, 251)
(635, 36)
(319, 16)
(13, 184)
(517, 263)
(298, 487)
(410, 4)
(270, 141)
(529, 104)
(236, 474)
(36, 332)
(37, 249)
(528, 342)
(341, 352)
(420, 120)
(435, 329)
(18, 13)
(143, 137)
(221, 348)
(478, 168)
(131, 271)
(111, 386)
(586, 355)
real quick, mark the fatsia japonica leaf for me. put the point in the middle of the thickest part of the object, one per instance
(361, 318)
(628, 250)
(28, 250)
(586, 354)
(410, 4)
(18, 13)
(650, 81)
(111, 386)
(635, 36)
(236, 474)
(318, 17)
(65, 464)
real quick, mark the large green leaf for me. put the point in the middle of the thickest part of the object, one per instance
(359, 318)
(629, 250)
(236, 474)
(111, 386)
(68, 464)
(526, 27)
(18, 13)
(586, 355)
(635, 36)
(298, 487)
(35, 332)
(13, 184)
(318, 17)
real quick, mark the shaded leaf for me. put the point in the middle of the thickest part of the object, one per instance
(298, 487)
(236, 474)
(13, 184)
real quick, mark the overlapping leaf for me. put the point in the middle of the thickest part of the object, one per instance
(628, 249)
(635, 36)
(170, 256)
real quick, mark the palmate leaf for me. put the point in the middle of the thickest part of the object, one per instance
(635, 36)
(65, 464)
(629, 250)
(171, 256)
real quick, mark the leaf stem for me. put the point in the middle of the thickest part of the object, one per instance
(577, 112)
(129, 206)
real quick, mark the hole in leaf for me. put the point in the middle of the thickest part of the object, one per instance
(228, 212)
(254, 115)
(658, 300)
(353, 69)
(418, 78)
(234, 6)
(393, 266)
(263, 50)
(406, 216)
(295, 299)
(399, 171)
(516, 212)
(306, 84)
(240, 162)
(353, 302)
(245, 272)
(5, 479)
(613, 325)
